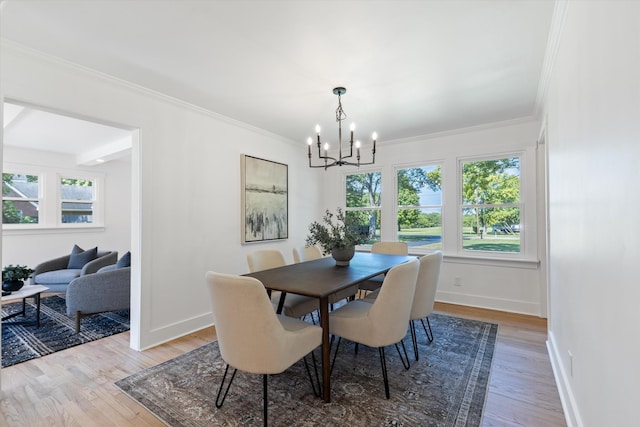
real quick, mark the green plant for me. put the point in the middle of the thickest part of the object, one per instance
(332, 234)
(15, 272)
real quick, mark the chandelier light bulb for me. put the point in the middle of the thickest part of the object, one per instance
(375, 136)
(352, 127)
(326, 146)
(357, 144)
(309, 141)
(318, 129)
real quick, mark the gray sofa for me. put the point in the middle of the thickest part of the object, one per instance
(107, 290)
(55, 275)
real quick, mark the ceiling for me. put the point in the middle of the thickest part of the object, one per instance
(91, 143)
(411, 68)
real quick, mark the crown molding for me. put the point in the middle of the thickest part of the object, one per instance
(7, 44)
(553, 44)
(459, 131)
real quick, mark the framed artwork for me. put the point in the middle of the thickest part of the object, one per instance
(265, 200)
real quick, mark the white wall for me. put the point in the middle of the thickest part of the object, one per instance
(593, 134)
(509, 285)
(30, 248)
(186, 186)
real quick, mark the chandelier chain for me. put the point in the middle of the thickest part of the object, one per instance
(340, 114)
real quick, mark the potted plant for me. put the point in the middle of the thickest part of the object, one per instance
(13, 277)
(336, 235)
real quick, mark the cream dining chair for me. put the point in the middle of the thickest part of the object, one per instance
(254, 339)
(389, 248)
(424, 296)
(294, 305)
(382, 323)
(306, 253)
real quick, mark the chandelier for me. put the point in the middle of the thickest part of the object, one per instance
(341, 160)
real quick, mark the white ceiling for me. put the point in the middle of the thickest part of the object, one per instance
(411, 68)
(91, 143)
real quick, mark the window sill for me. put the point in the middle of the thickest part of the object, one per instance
(532, 264)
(51, 230)
(528, 263)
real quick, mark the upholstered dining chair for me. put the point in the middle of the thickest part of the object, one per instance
(424, 297)
(254, 339)
(294, 305)
(382, 323)
(389, 248)
(306, 253)
(309, 253)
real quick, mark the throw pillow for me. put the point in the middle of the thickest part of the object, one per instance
(76, 249)
(80, 259)
(124, 261)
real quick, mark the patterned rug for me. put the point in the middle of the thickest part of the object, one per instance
(57, 331)
(446, 387)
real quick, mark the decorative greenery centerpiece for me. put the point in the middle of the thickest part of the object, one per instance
(336, 236)
(13, 276)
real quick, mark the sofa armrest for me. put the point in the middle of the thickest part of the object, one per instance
(99, 292)
(59, 263)
(94, 265)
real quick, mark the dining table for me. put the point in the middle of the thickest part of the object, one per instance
(322, 278)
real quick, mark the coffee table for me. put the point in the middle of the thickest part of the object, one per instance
(27, 291)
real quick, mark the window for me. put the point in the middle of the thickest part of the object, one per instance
(419, 199)
(20, 198)
(491, 205)
(39, 198)
(363, 194)
(76, 201)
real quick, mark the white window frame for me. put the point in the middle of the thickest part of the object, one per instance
(39, 199)
(397, 206)
(524, 205)
(50, 198)
(364, 208)
(96, 184)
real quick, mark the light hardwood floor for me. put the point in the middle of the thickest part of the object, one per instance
(75, 387)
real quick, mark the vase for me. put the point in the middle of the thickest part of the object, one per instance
(12, 285)
(343, 255)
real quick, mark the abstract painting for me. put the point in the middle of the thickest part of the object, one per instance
(265, 200)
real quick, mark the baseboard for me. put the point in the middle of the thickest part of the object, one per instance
(571, 413)
(176, 330)
(511, 306)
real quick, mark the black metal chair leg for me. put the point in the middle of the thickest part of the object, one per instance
(218, 401)
(265, 397)
(414, 339)
(383, 362)
(405, 359)
(315, 368)
(429, 332)
(357, 345)
(333, 362)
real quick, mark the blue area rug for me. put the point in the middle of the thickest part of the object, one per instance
(56, 332)
(446, 387)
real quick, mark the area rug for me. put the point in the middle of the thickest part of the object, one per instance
(57, 331)
(446, 387)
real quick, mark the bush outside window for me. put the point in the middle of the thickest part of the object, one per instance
(363, 203)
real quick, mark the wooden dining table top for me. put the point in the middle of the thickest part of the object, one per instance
(321, 277)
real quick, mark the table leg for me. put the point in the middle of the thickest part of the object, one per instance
(37, 296)
(326, 351)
